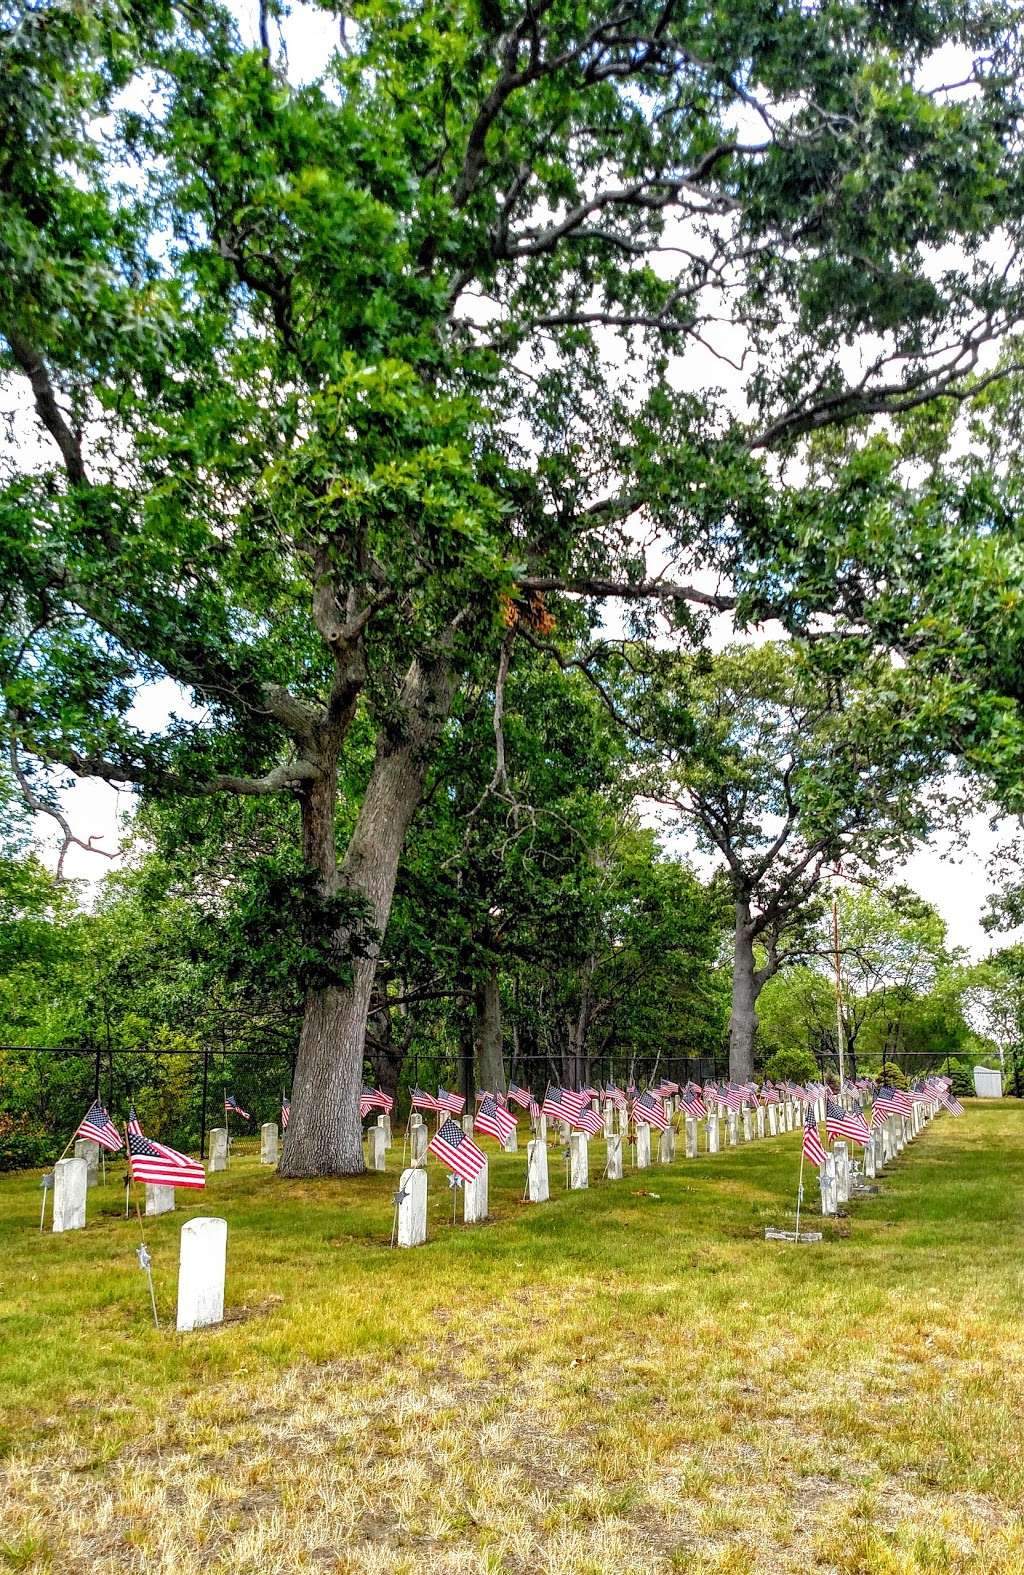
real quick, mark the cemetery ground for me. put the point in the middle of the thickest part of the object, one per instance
(624, 1380)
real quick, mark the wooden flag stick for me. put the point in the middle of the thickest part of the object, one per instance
(800, 1189)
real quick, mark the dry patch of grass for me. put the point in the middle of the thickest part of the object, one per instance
(614, 1383)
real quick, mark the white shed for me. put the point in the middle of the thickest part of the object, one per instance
(988, 1084)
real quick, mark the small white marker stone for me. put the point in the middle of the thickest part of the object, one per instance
(615, 1157)
(201, 1268)
(748, 1130)
(384, 1122)
(537, 1170)
(511, 1143)
(759, 1120)
(842, 1158)
(86, 1149)
(418, 1138)
(773, 1120)
(691, 1137)
(712, 1126)
(579, 1162)
(643, 1145)
(218, 1149)
(667, 1146)
(730, 1127)
(474, 1198)
(268, 1143)
(375, 1148)
(412, 1208)
(159, 1200)
(70, 1185)
(827, 1182)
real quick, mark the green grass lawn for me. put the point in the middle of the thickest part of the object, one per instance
(625, 1380)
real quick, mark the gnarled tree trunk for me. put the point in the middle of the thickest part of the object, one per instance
(745, 990)
(324, 1135)
(490, 1059)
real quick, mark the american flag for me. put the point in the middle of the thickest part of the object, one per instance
(534, 1109)
(733, 1098)
(494, 1120)
(693, 1104)
(97, 1126)
(951, 1103)
(840, 1123)
(616, 1096)
(482, 1094)
(373, 1099)
(423, 1101)
(561, 1104)
(521, 1096)
(231, 1104)
(590, 1093)
(666, 1089)
(456, 1151)
(162, 1166)
(902, 1102)
(286, 1110)
(812, 1148)
(134, 1124)
(588, 1121)
(884, 1104)
(647, 1108)
(455, 1104)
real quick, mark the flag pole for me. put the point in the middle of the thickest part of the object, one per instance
(142, 1251)
(800, 1188)
(840, 1033)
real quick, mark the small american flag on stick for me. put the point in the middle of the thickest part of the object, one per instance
(97, 1126)
(647, 1108)
(457, 1152)
(519, 1096)
(231, 1105)
(455, 1104)
(162, 1166)
(812, 1149)
(286, 1110)
(493, 1119)
(840, 1123)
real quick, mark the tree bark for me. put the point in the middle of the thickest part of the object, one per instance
(745, 990)
(324, 1136)
(490, 1060)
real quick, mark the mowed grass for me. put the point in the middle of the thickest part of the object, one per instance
(625, 1380)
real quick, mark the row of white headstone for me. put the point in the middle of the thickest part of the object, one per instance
(411, 1197)
(839, 1174)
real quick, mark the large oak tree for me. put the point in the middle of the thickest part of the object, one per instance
(337, 380)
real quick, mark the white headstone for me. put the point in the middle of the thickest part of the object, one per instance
(615, 1157)
(217, 1139)
(712, 1125)
(667, 1145)
(691, 1137)
(418, 1139)
(759, 1120)
(869, 1158)
(412, 1208)
(86, 1149)
(748, 1130)
(70, 1185)
(415, 1119)
(511, 1143)
(467, 1124)
(643, 1145)
(579, 1163)
(730, 1127)
(159, 1200)
(537, 1170)
(542, 1128)
(773, 1120)
(384, 1122)
(842, 1158)
(375, 1148)
(624, 1121)
(474, 1198)
(268, 1143)
(201, 1268)
(827, 1182)
(609, 1118)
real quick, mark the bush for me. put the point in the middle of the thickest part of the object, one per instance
(790, 1066)
(892, 1076)
(962, 1074)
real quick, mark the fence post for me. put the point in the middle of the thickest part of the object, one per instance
(96, 1077)
(202, 1118)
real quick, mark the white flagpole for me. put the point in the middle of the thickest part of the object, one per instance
(800, 1188)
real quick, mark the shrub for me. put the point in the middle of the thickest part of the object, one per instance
(790, 1066)
(962, 1074)
(892, 1075)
